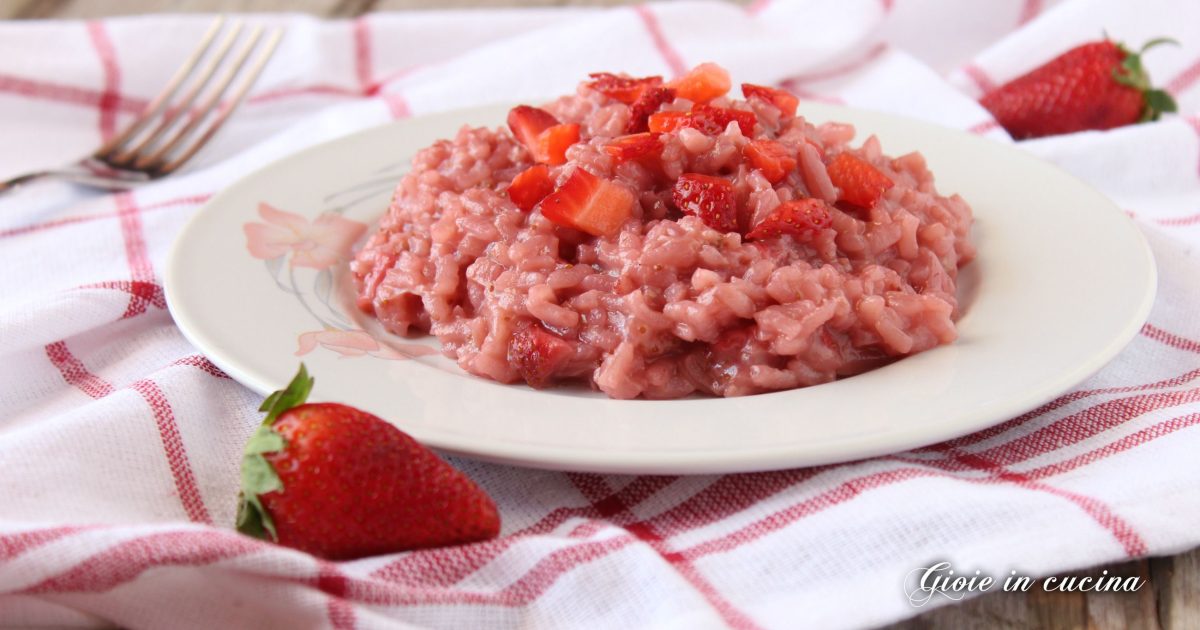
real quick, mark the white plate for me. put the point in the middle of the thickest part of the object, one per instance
(1062, 282)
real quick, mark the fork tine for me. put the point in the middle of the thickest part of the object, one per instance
(165, 94)
(155, 160)
(173, 113)
(240, 93)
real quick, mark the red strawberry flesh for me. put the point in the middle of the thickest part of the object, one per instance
(589, 203)
(634, 146)
(772, 158)
(785, 102)
(710, 198)
(624, 89)
(537, 353)
(859, 181)
(531, 186)
(802, 219)
(702, 83)
(648, 103)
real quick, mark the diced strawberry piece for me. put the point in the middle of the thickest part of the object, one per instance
(634, 146)
(785, 102)
(537, 353)
(552, 144)
(860, 183)
(531, 186)
(772, 158)
(710, 198)
(666, 122)
(589, 203)
(624, 89)
(710, 120)
(803, 219)
(648, 103)
(527, 123)
(702, 83)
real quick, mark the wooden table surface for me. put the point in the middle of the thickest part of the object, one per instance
(1170, 600)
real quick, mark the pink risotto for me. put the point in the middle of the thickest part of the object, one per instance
(659, 239)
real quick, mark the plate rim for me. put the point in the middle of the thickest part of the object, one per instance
(714, 460)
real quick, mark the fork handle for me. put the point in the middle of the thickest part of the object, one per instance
(79, 174)
(10, 184)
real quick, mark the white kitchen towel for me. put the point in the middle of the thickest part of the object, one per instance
(120, 443)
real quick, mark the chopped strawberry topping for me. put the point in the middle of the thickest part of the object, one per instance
(528, 122)
(552, 144)
(785, 102)
(772, 158)
(634, 146)
(542, 134)
(702, 83)
(860, 183)
(537, 353)
(531, 186)
(802, 219)
(648, 103)
(625, 89)
(710, 120)
(710, 198)
(592, 204)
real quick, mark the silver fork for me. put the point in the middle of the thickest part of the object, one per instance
(135, 156)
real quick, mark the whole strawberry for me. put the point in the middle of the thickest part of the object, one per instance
(1100, 85)
(341, 483)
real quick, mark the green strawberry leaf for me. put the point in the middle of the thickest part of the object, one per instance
(1157, 102)
(294, 394)
(258, 477)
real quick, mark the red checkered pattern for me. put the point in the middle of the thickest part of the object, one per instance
(121, 444)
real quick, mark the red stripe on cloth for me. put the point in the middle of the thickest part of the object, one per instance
(322, 90)
(202, 363)
(979, 78)
(397, 105)
(13, 545)
(834, 496)
(1082, 425)
(595, 489)
(1029, 10)
(1185, 79)
(1061, 401)
(177, 457)
(668, 52)
(449, 565)
(1194, 122)
(983, 127)
(362, 55)
(150, 293)
(38, 227)
(112, 78)
(127, 560)
(331, 581)
(140, 269)
(1179, 221)
(75, 373)
(1132, 440)
(70, 94)
(1170, 339)
(835, 72)
(1125, 534)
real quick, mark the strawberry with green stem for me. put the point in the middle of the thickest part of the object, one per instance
(1099, 85)
(341, 483)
